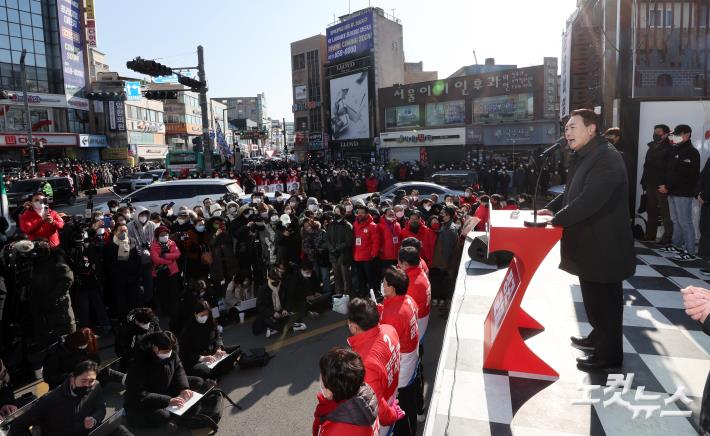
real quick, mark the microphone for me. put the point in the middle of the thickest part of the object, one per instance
(562, 142)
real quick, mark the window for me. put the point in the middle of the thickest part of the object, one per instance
(445, 113)
(402, 116)
(150, 193)
(657, 17)
(299, 62)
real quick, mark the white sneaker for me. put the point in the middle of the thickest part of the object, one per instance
(313, 314)
(298, 326)
(270, 332)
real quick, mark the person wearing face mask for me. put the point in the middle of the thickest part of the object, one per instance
(300, 289)
(655, 167)
(378, 346)
(365, 250)
(271, 313)
(188, 241)
(142, 230)
(201, 344)
(390, 235)
(224, 260)
(426, 210)
(65, 354)
(156, 380)
(216, 210)
(468, 197)
(139, 322)
(167, 215)
(340, 241)
(313, 207)
(232, 209)
(238, 290)
(165, 253)
(39, 221)
(346, 404)
(124, 265)
(444, 263)
(74, 408)
(416, 228)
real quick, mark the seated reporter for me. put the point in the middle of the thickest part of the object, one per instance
(202, 344)
(64, 355)
(76, 407)
(140, 322)
(346, 404)
(156, 380)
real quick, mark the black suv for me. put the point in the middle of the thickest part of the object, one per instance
(21, 191)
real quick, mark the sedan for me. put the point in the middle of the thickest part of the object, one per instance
(425, 189)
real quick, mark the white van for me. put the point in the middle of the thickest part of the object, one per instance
(188, 192)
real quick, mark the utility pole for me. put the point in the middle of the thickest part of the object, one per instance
(28, 118)
(285, 138)
(205, 115)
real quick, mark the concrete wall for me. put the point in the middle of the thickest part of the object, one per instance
(389, 57)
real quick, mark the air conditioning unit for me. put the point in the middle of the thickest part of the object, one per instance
(106, 75)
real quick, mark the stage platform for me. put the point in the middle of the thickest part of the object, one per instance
(663, 348)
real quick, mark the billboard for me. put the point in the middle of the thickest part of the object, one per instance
(299, 92)
(349, 104)
(503, 108)
(350, 37)
(402, 116)
(446, 113)
(71, 46)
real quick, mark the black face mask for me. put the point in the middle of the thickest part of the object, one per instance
(656, 137)
(81, 391)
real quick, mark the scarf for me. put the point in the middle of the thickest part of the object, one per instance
(124, 248)
(275, 297)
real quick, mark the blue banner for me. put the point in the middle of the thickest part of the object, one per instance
(350, 37)
(71, 46)
(521, 134)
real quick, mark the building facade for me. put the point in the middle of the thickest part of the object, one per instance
(51, 32)
(308, 57)
(414, 72)
(254, 108)
(500, 112)
(364, 53)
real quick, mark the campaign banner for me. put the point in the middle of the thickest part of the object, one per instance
(350, 37)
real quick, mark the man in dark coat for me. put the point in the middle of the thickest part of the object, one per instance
(654, 173)
(597, 244)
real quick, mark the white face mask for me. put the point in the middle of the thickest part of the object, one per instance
(143, 219)
(217, 213)
(38, 205)
(448, 203)
(100, 232)
(399, 214)
(181, 221)
(348, 208)
(163, 239)
(306, 274)
(313, 207)
(201, 319)
(83, 347)
(427, 207)
(163, 356)
(145, 326)
(232, 210)
(169, 212)
(256, 200)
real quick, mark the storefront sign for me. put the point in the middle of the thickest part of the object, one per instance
(46, 139)
(114, 153)
(350, 37)
(348, 66)
(178, 128)
(86, 141)
(474, 135)
(91, 33)
(145, 126)
(430, 137)
(299, 92)
(141, 138)
(116, 116)
(40, 99)
(300, 107)
(354, 144)
(71, 47)
(521, 134)
(152, 151)
(89, 9)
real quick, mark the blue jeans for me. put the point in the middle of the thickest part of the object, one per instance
(324, 274)
(682, 216)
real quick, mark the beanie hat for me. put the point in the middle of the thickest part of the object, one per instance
(161, 229)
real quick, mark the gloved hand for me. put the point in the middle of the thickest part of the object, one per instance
(398, 410)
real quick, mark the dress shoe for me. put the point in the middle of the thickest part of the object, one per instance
(582, 343)
(591, 363)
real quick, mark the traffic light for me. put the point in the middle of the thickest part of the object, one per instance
(106, 96)
(160, 95)
(190, 82)
(150, 68)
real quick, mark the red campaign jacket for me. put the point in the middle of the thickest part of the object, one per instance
(170, 258)
(371, 184)
(425, 236)
(379, 350)
(469, 201)
(510, 207)
(483, 213)
(366, 244)
(390, 239)
(322, 427)
(420, 290)
(34, 226)
(400, 311)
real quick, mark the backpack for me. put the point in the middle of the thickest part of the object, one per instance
(254, 358)
(208, 412)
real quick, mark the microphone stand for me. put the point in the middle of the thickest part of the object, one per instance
(535, 222)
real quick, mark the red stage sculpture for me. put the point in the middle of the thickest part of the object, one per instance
(504, 348)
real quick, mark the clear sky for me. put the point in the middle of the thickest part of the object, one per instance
(247, 43)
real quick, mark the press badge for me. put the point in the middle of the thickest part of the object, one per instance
(358, 241)
(395, 240)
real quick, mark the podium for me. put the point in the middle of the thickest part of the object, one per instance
(504, 348)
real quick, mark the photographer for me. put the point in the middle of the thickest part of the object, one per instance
(224, 262)
(249, 245)
(188, 241)
(39, 221)
(124, 266)
(142, 230)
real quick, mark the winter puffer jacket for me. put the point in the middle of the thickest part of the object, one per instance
(367, 242)
(356, 416)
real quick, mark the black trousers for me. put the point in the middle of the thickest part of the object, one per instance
(407, 397)
(365, 271)
(604, 305)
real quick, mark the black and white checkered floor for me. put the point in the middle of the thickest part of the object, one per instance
(666, 351)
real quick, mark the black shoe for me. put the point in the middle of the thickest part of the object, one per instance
(591, 363)
(581, 342)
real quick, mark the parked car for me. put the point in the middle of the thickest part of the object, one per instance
(135, 181)
(21, 191)
(425, 189)
(188, 192)
(455, 179)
